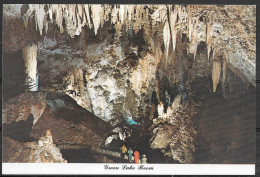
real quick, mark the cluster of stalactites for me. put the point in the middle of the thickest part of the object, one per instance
(158, 22)
(150, 18)
(133, 17)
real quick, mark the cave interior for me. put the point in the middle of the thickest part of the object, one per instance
(175, 82)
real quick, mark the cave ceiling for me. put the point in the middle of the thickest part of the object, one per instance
(228, 30)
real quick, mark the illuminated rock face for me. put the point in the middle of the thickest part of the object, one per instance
(102, 79)
(129, 62)
(174, 132)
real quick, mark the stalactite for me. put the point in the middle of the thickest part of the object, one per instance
(30, 61)
(209, 39)
(122, 13)
(162, 22)
(216, 68)
(46, 27)
(97, 15)
(173, 17)
(166, 38)
(190, 27)
(224, 69)
(50, 12)
(39, 16)
(58, 16)
(86, 8)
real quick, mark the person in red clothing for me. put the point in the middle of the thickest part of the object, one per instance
(136, 156)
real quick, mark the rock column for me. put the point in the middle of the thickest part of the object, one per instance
(30, 61)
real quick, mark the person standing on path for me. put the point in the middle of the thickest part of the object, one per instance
(144, 159)
(136, 156)
(123, 151)
(130, 154)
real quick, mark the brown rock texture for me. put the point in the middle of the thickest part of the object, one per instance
(20, 107)
(68, 131)
(30, 152)
(67, 122)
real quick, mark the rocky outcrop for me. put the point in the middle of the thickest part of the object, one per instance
(43, 151)
(76, 125)
(101, 79)
(174, 132)
(20, 107)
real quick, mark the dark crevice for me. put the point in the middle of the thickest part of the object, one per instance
(19, 131)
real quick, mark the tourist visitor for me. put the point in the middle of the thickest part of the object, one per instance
(130, 154)
(136, 156)
(144, 159)
(123, 151)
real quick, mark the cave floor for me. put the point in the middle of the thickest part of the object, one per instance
(85, 155)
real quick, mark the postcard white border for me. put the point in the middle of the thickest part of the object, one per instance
(99, 168)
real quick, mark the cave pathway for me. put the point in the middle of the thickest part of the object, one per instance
(86, 155)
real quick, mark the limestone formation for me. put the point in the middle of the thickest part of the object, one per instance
(42, 151)
(216, 25)
(104, 67)
(174, 132)
(30, 61)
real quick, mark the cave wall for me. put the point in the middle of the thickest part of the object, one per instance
(13, 74)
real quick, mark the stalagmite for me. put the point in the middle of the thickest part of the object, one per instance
(49, 135)
(160, 109)
(216, 73)
(30, 61)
